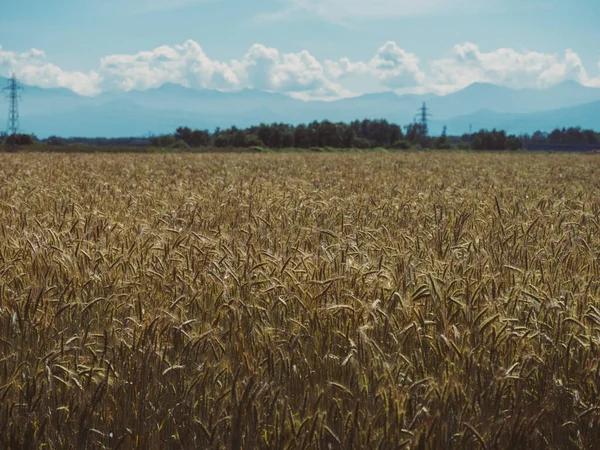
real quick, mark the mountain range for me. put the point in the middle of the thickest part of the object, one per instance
(61, 112)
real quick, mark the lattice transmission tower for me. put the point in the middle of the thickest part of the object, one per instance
(422, 119)
(13, 93)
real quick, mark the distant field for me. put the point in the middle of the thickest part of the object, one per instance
(76, 148)
(406, 300)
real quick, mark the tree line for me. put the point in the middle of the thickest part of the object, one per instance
(573, 135)
(365, 134)
(358, 134)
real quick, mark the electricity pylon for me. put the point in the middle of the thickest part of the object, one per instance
(421, 118)
(13, 90)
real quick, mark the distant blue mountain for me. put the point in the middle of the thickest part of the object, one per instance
(479, 96)
(135, 113)
(176, 97)
(585, 116)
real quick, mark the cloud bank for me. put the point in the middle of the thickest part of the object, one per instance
(302, 75)
(33, 68)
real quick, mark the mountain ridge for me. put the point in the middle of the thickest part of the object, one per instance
(584, 116)
(59, 111)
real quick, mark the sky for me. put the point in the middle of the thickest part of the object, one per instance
(308, 49)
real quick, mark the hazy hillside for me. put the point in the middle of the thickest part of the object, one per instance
(585, 116)
(62, 112)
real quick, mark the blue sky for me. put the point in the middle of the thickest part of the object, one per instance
(305, 48)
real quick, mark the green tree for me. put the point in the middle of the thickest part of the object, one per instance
(348, 137)
(55, 141)
(222, 140)
(199, 138)
(275, 138)
(301, 137)
(328, 135)
(238, 137)
(264, 133)
(287, 139)
(415, 132)
(20, 139)
(442, 142)
(185, 134)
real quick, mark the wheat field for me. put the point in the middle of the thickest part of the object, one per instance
(300, 301)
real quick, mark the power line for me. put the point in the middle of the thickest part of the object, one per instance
(13, 90)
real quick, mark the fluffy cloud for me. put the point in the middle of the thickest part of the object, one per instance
(594, 82)
(505, 67)
(390, 68)
(298, 74)
(301, 74)
(32, 68)
(185, 64)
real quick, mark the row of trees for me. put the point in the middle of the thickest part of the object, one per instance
(56, 141)
(99, 141)
(364, 134)
(493, 140)
(18, 139)
(358, 134)
(573, 135)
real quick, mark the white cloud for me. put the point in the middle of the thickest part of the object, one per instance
(185, 64)
(298, 74)
(506, 67)
(32, 68)
(301, 74)
(594, 82)
(391, 68)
